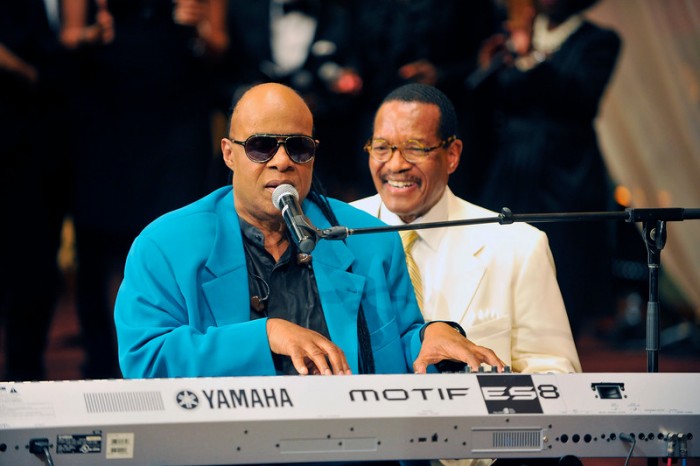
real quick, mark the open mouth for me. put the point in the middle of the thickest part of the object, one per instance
(274, 184)
(401, 184)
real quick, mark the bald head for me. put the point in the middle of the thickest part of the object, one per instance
(266, 109)
(271, 108)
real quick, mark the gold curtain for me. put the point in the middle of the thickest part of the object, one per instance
(649, 124)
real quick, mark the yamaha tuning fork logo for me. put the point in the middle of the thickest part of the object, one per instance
(187, 399)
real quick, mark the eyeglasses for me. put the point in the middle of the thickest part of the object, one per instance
(411, 150)
(260, 148)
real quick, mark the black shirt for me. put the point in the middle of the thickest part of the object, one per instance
(286, 289)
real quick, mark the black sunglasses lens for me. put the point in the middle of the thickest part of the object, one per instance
(261, 148)
(300, 148)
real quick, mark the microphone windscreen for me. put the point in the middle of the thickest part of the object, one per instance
(281, 191)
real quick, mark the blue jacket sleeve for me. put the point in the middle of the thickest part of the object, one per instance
(165, 328)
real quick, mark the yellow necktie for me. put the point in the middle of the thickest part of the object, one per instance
(408, 238)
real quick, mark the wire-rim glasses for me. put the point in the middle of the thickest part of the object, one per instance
(411, 150)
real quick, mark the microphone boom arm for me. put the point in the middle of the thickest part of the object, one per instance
(506, 217)
(654, 232)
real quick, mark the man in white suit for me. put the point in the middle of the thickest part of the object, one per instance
(497, 281)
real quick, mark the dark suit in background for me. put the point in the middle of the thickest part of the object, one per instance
(143, 147)
(252, 60)
(34, 183)
(440, 40)
(547, 159)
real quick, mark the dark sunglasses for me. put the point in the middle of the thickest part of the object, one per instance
(260, 148)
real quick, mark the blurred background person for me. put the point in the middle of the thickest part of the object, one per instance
(142, 138)
(546, 84)
(34, 180)
(303, 44)
(434, 42)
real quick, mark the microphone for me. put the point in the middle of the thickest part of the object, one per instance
(286, 198)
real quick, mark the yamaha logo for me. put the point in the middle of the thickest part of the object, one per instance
(187, 399)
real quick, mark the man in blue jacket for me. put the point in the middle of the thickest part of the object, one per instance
(218, 288)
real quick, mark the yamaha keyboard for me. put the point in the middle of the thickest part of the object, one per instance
(235, 420)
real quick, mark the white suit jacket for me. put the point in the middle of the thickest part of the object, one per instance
(497, 281)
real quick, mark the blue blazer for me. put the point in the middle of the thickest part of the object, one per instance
(183, 308)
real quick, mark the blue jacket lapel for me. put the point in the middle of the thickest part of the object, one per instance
(340, 290)
(227, 291)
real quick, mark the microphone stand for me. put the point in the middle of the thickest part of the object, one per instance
(653, 229)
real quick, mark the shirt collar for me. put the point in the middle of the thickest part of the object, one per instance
(438, 213)
(549, 41)
(254, 238)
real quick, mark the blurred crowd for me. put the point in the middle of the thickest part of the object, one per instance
(111, 111)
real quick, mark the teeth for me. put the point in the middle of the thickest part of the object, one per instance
(399, 184)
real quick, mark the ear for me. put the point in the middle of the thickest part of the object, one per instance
(454, 153)
(227, 151)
